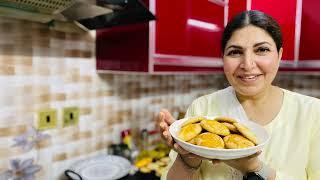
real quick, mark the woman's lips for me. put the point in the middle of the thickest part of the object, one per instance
(249, 78)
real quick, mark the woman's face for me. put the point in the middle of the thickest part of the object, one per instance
(251, 60)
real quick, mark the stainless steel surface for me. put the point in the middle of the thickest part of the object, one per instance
(82, 10)
(38, 6)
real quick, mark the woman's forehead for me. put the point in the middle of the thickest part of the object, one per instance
(250, 35)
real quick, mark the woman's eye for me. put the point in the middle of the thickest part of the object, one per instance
(234, 52)
(263, 50)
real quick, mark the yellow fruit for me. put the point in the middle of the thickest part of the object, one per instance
(143, 162)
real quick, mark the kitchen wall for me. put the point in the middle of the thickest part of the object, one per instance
(40, 68)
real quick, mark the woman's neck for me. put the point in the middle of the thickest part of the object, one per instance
(263, 107)
(258, 99)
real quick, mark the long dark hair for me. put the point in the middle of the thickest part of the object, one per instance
(255, 18)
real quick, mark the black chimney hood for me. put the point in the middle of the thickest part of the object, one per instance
(124, 12)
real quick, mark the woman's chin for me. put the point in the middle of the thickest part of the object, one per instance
(248, 91)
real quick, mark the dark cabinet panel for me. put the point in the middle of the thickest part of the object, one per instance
(123, 48)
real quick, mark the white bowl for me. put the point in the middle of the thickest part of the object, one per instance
(222, 154)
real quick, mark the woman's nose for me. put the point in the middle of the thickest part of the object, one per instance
(248, 61)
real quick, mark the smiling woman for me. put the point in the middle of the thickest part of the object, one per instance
(252, 50)
(251, 60)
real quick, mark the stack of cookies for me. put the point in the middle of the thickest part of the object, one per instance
(221, 133)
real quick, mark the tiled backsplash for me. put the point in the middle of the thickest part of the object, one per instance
(40, 68)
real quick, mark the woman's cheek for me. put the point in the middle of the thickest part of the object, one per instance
(267, 64)
(229, 67)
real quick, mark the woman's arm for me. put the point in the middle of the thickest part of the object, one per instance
(185, 167)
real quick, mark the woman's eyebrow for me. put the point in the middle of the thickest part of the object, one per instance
(234, 46)
(260, 43)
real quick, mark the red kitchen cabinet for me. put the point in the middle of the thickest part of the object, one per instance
(184, 38)
(300, 26)
(187, 35)
(309, 54)
(285, 13)
(235, 7)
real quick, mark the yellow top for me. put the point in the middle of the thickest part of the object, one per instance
(294, 148)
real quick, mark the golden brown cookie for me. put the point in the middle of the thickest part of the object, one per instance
(192, 141)
(193, 120)
(236, 141)
(230, 126)
(189, 131)
(246, 132)
(215, 127)
(225, 119)
(208, 139)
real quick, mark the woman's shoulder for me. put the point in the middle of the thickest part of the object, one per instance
(295, 97)
(302, 103)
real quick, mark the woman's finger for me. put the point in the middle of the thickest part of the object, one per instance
(163, 126)
(244, 159)
(180, 150)
(183, 152)
(161, 115)
(215, 161)
(168, 138)
(254, 155)
(168, 118)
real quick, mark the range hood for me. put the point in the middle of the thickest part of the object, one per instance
(77, 15)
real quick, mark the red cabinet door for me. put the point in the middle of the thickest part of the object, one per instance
(285, 14)
(187, 35)
(309, 54)
(235, 7)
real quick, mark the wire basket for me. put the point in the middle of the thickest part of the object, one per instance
(38, 6)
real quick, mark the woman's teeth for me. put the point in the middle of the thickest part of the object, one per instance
(249, 77)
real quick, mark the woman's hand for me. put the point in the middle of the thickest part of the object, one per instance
(164, 120)
(245, 165)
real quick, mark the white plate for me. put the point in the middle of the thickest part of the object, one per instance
(223, 154)
(102, 167)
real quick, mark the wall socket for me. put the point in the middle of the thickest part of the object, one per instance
(70, 116)
(47, 119)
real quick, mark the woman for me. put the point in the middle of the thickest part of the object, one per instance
(252, 50)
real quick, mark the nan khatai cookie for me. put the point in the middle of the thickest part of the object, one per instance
(193, 120)
(208, 139)
(246, 132)
(230, 126)
(215, 127)
(192, 141)
(225, 119)
(236, 141)
(189, 131)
